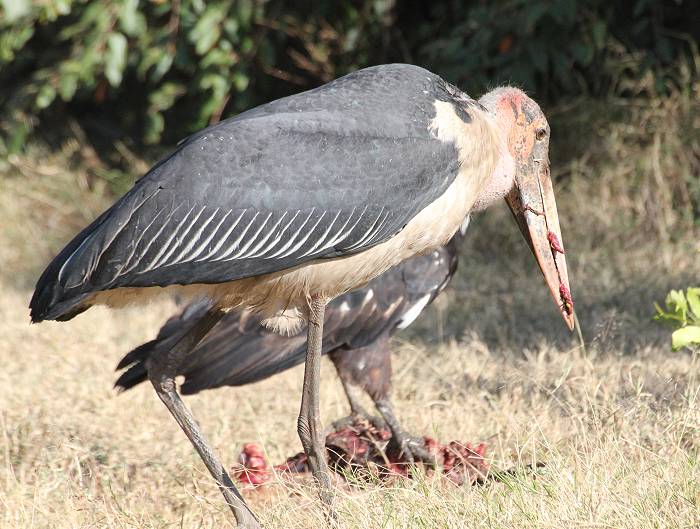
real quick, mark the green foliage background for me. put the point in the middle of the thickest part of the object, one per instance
(154, 71)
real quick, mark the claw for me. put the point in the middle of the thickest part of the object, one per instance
(405, 450)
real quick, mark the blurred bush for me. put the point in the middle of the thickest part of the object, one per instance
(155, 71)
(143, 67)
(558, 48)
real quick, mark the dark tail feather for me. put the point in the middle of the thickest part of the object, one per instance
(170, 333)
(137, 355)
(136, 361)
(236, 352)
(244, 359)
(228, 356)
(132, 377)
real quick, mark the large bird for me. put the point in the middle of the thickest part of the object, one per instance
(292, 203)
(356, 332)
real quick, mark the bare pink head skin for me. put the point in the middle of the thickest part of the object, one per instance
(522, 178)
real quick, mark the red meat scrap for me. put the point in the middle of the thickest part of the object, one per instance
(360, 447)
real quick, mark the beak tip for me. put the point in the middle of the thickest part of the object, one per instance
(569, 319)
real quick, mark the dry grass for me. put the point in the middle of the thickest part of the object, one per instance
(616, 425)
(619, 435)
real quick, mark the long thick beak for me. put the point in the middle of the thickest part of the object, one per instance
(535, 210)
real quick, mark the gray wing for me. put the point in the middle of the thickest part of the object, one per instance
(321, 174)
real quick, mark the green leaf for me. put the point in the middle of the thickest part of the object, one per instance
(19, 131)
(667, 317)
(92, 17)
(382, 7)
(67, 85)
(207, 30)
(15, 9)
(131, 20)
(165, 96)
(215, 82)
(162, 66)
(46, 95)
(240, 81)
(115, 58)
(231, 27)
(217, 58)
(198, 6)
(693, 297)
(677, 305)
(88, 64)
(685, 337)
(14, 39)
(62, 7)
(245, 11)
(154, 127)
(247, 45)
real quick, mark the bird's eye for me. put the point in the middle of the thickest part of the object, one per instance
(541, 134)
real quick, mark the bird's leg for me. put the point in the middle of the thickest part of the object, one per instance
(413, 449)
(352, 392)
(309, 422)
(162, 370)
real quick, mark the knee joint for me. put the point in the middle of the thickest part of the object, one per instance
(160, 374)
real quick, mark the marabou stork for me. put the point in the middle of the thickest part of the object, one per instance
(292, 203)
(358, 325)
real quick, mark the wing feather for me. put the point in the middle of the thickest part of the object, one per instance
(303, 239)
(322, 238)
(222, 239)
(250, 240)
(292, 237)
(211, 234)
(180, 240)
(128, 261)
(277, 238)
(183, 256)
(241, 237)
(171, 236)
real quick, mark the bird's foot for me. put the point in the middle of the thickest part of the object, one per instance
(410, 450)
(356, 420)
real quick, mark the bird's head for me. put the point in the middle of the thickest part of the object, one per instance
(522, 177)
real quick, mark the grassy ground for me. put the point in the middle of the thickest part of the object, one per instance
(616, 424)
